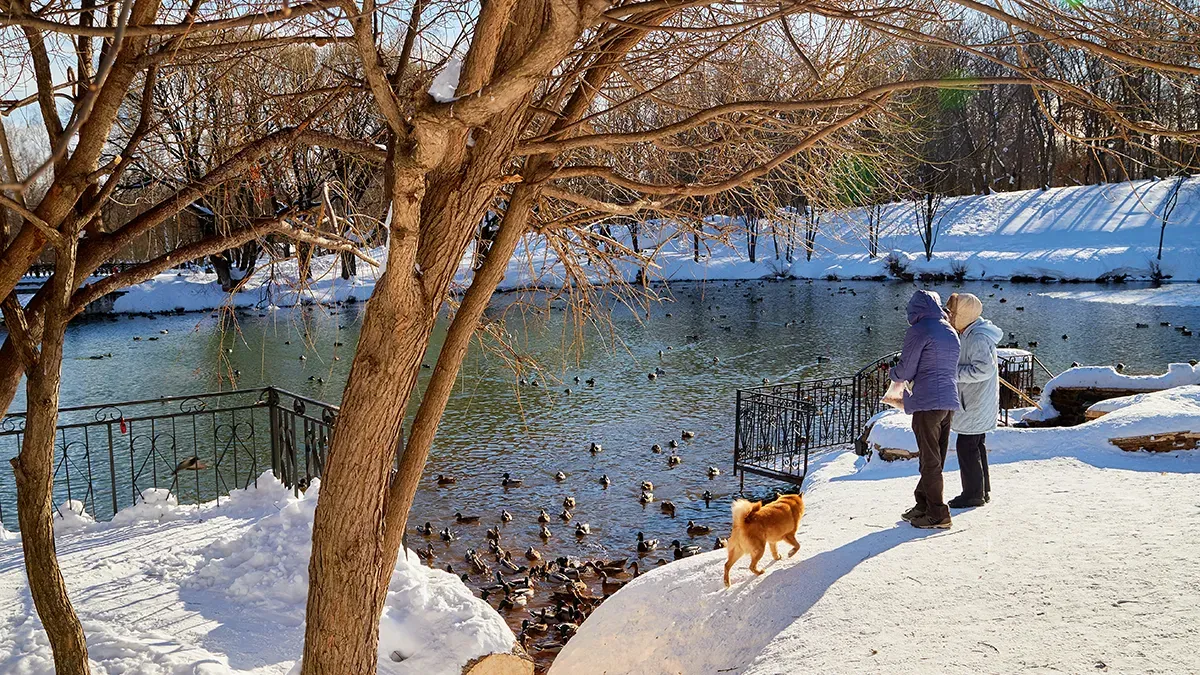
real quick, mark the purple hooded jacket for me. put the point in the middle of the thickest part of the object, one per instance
(929, 357)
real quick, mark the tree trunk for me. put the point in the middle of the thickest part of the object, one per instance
(34, 472)
(350, 566)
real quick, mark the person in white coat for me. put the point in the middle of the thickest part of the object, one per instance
(979, 397)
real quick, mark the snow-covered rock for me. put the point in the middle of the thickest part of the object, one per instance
(1107, 377)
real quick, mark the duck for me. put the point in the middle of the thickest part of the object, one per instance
(605, 482)
(465, 520)
(687, 435)
(659, 371)
(673, 443)
(443, 479)
(674, 460)
(682, 551)
(510, 482)
(696, 529)
(190, 464)
(543, 517)
(447, 535)
(707, 497)
(596, 448)
(505, 516)
(493, 533)
(565, 516)
(713, 472)
(668, 507)
(651, 376)
(645, 545)
(545, 532)
(1142, 325)
(426, 553)
(532, 553)
(646, 497)
(560, 476)
(591, 381)
(568, 502)
(583, 529)
(426, 529)
(533, 628)
(576, 379)
(720, 543)
(648, 486)
(609, 586)
(656, 448)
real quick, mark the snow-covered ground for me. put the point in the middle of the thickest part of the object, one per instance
(1077, 233)
(164, 589)
(1082, 562)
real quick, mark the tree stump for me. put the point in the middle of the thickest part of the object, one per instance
(500, 664)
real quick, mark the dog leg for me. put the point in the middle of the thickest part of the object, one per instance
(755, 557)
(732, 557)
(775, 552)
(791, 539)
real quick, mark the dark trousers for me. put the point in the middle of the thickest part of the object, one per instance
(973, 465)
(932, 429)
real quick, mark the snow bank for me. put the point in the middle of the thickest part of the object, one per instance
(1107, 377)
(222, 589)
(1063, 552)
(1175, 409)
(431, 620)
(72, 515)
(1078, 233)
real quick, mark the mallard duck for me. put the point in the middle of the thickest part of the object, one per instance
(646, 497)
(545, 533)
(668, 507)
(533, 628)
(684, 551)
(596, 448)
(659, 371)
(637, 572)
(426, 529)
(674, 460)
(720, 543)
(510, 482)
(645, 545)
(505, 517)
(656, 448)
(465, 520)
(605, 482)
(189, 464)
(560, 476)
(609, 586)
(582, 529)
(707, 496)
(687, 435)
(568, 502)
(532, 553)
(447, 535)
(696, 529)
(565, 516)
(673, 443)
(591, 382)
(493, 533)
(443, 479)
(543, 517)
(713, 472)
(648, 486)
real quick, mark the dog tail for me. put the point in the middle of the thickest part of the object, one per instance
(742, 510)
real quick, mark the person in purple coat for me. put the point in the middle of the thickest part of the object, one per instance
(929, 360)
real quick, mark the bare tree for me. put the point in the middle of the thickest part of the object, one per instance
(928, 210)
(1168, 208)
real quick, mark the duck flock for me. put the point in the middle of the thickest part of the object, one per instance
(543, 596)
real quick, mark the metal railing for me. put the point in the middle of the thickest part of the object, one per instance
(198, 447)
(777, 427)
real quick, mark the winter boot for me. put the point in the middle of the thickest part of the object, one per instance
(926, 522)
(913, 513)
(962, 502)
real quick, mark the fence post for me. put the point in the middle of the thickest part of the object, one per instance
(112, 467)
(737, 432)
(273, 409)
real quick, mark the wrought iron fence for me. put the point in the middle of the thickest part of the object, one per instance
(778, 426)
(199, 447)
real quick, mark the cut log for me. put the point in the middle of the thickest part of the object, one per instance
(893, 454)
(1165, 442)
(501, 664)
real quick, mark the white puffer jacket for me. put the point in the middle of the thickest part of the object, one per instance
(978, 379)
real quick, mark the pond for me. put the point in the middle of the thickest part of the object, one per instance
(713, 338)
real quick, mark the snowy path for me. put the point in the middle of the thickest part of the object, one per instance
(1071, 568)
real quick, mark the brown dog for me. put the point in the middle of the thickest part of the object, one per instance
(755, 526)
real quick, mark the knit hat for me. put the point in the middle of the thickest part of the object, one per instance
(964, 309)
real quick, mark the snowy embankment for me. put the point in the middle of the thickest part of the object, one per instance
(1107, 377)
(1076, 233)
(1082, 562)
(207, 590)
